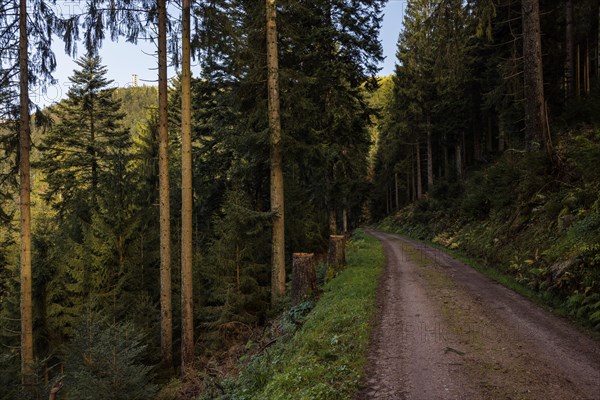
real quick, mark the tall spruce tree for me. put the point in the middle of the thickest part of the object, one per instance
(86, 141)
(85, 163)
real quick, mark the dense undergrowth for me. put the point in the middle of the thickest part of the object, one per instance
(312, 351)
(525, 216)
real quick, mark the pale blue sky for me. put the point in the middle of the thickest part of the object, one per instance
(124, 59)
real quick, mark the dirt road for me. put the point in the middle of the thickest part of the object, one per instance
(447, 332)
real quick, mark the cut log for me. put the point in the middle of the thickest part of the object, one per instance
(304, 277)
(336, 256)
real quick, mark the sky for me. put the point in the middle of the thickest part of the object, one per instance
(125, 59)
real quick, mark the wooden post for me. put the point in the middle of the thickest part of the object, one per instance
(336, 256)
(304, 277)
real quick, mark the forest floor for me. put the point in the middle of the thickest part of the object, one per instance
(445, 331)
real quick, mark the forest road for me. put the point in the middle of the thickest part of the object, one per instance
(445, 331)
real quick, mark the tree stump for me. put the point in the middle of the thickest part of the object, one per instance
(336, 256)
(304, 277)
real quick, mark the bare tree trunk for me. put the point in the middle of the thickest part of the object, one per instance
(459, 164)
(304, 277)
(166, 313)
(336, 254)
(419, 178)
(277, 201)
(570, 49)
(536, 123)
(25, 204)
(397, 191)
(332, 222)
(387, 199)
(578, 73)
(345, 220)
(429, 159)
(413, 175)
(489, 136)
(501, 138)
(446, 161)
(588, 86)
(187, 312)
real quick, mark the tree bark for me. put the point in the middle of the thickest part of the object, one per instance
(588, 86)
(397, 191)
(387, 198)
(578, 73)
(332, 222)
(570, 49)
(429, 159)
(345, 220)
(304, 277)
(459, 164)
(166, 313)
(277, 200)
(336, 254)
(187, 313)
(25, 204)
(535, 109)
(489, 136)
(413, 178)
(419, 178)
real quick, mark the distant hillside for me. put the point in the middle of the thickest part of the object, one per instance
(135, 103)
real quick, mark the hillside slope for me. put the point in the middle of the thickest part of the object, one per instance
(527, 217)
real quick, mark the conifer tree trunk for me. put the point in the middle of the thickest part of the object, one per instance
(277, 201)
(535, 109)
(187, 317)
(458, 156)
(588, 86)
(578, 73)
(397, 187)
(25, 208)
(419, 178)
(332, 222)
(446, 162)
(570, 49)
(413, 174)
(489, 136)
(336, 253)
(429, 158)
(166, 313)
